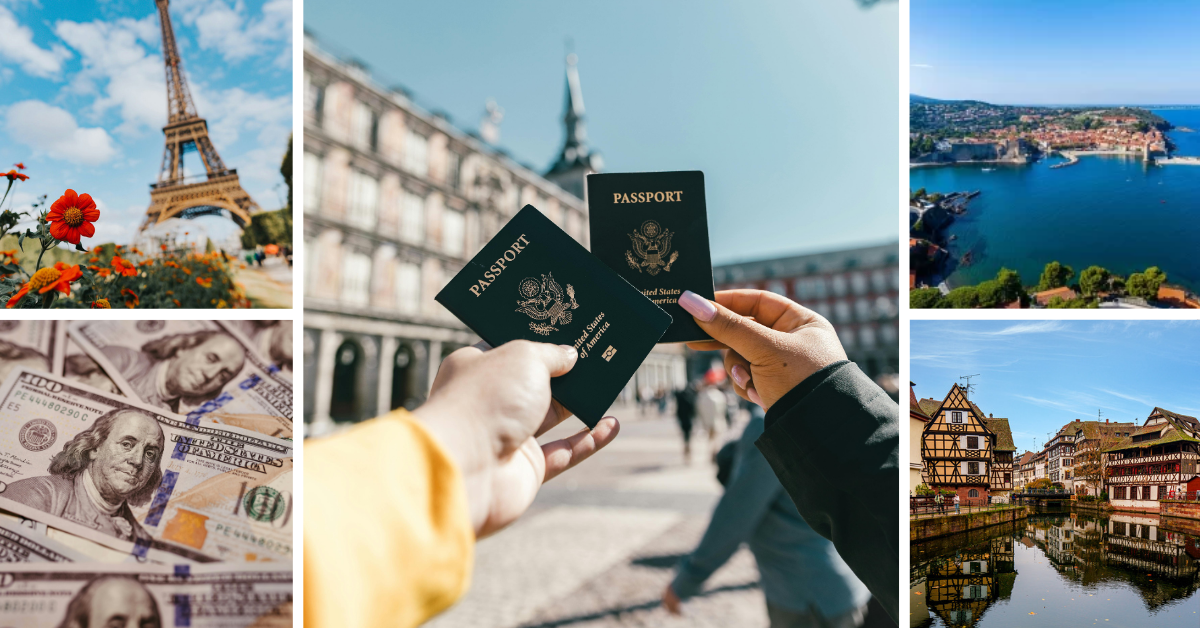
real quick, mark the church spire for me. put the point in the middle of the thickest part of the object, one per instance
(575, 161)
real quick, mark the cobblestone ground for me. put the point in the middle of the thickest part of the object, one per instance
(601, 543)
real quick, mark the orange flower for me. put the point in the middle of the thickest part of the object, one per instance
(176, 302)
(57, 278)
(124, 267)
(20, 165)
(71, 216)
(101, 304)
(14, 175)
(186, 270)
(163, 246)
(131, 298)
(103, 272)
(170, 292)
(145, 262)
(204, 281)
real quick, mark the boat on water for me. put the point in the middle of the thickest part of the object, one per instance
(988, 169)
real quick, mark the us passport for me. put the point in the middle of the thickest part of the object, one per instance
(534, 282)
(652, 229)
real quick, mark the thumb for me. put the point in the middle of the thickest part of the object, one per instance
(745, 336)
(559, 359)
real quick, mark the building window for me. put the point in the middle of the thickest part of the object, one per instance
(314, 172)
(972, 468)
(858, 283)
(839, 285)
(412, 220)
(866, 337)
(777, 287)
(364, 200)
(416, 153)
(862, 310)
(972, 442)
(453, 169)
(364, 124)
(811, 288)
(356, 279)
(408, 288)
(453, 232)
(841, 311)
(972, 493)
(956, 417)
(879, 281)
(314, 100)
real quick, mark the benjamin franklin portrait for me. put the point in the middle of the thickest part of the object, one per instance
(99, 474)
(112, 601)
(181, 371)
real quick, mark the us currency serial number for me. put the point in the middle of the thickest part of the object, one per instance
(49, 404)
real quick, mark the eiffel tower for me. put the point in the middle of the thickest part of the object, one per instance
(188, 197)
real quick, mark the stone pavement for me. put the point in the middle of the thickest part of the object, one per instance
(268, 286)
(601, 542)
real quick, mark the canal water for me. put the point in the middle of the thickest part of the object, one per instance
(1110, 211)
(1059, 569)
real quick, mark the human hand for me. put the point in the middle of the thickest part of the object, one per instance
(487, 408)
(771, 343)
(671, 602)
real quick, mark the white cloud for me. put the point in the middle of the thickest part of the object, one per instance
(117, 68)
(227, 29)
(1027, 328)
(923, 66)
(16, 45)
(52, 131)
(116, 225)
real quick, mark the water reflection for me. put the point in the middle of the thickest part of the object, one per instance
(1075, 570)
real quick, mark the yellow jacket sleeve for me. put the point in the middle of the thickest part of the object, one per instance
(387, 536)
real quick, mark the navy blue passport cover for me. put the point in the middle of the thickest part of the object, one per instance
(652, 228)
(532, 281)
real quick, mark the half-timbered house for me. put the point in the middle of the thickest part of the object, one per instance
(1153, 463)
(956, 447)
(917, 418)
(1001, 483)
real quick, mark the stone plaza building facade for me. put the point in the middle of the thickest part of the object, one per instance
(396, 201)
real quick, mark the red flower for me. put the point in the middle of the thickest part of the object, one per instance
(124, 267)
(204, 281)
(71, 216)
(13, 174)
(57, 278)
(131, 298)
(20, 165)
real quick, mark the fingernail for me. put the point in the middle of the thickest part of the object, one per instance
(698, 306)
(740, 376)
(571, 352)
(753, 395)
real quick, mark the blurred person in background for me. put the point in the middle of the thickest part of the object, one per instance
(710, 407)
(685, 411)
(805, 582)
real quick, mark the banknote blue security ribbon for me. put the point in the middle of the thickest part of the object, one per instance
(183, 608)
(161, 497)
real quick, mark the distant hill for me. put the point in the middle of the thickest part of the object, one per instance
(914, 99)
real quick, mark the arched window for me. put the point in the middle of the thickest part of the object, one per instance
(403, 364)
(344, 406)
(972, 493)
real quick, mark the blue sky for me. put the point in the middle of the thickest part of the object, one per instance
(1043, 374)
(1073, 52)
(789, 108)
(83, 98)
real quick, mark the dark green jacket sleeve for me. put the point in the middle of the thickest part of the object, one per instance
(833, 442)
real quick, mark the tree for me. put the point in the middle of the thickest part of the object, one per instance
(1070, 304)
(1039, 483)
(1055, 275)
(1090, 463)
(1155, 278)
(924, 298)
(1010, 283)
(1093, 280)
(991, 293)
(965, 297)
(919, 194)
(1139, 286)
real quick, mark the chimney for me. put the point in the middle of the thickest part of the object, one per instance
(1076, 420)
(1106, 420)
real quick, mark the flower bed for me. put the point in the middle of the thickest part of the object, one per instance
(108, 275)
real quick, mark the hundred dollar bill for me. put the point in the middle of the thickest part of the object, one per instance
(144, 482)
(26, 343)
(56, 595)
(27, 544)
(73, 363)
(199, 369)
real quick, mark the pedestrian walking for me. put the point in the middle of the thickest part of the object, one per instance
(710, 405)
(803, 579)
(685, 411)
(939, 501)
(956, 504)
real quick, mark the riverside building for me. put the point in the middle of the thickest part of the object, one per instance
(1159, 460)
(396, 200)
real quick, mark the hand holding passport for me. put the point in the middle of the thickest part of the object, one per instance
(532, 281)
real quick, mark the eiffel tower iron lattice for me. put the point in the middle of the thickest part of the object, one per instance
(188, 197)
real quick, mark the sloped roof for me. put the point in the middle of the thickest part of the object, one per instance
(1182, 418)
(1004, 439)
(914, 406)
(1026, 457)
(929, 406)
(1176, 428)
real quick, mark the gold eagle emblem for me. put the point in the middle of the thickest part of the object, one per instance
(651, 245)
(543, 301)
